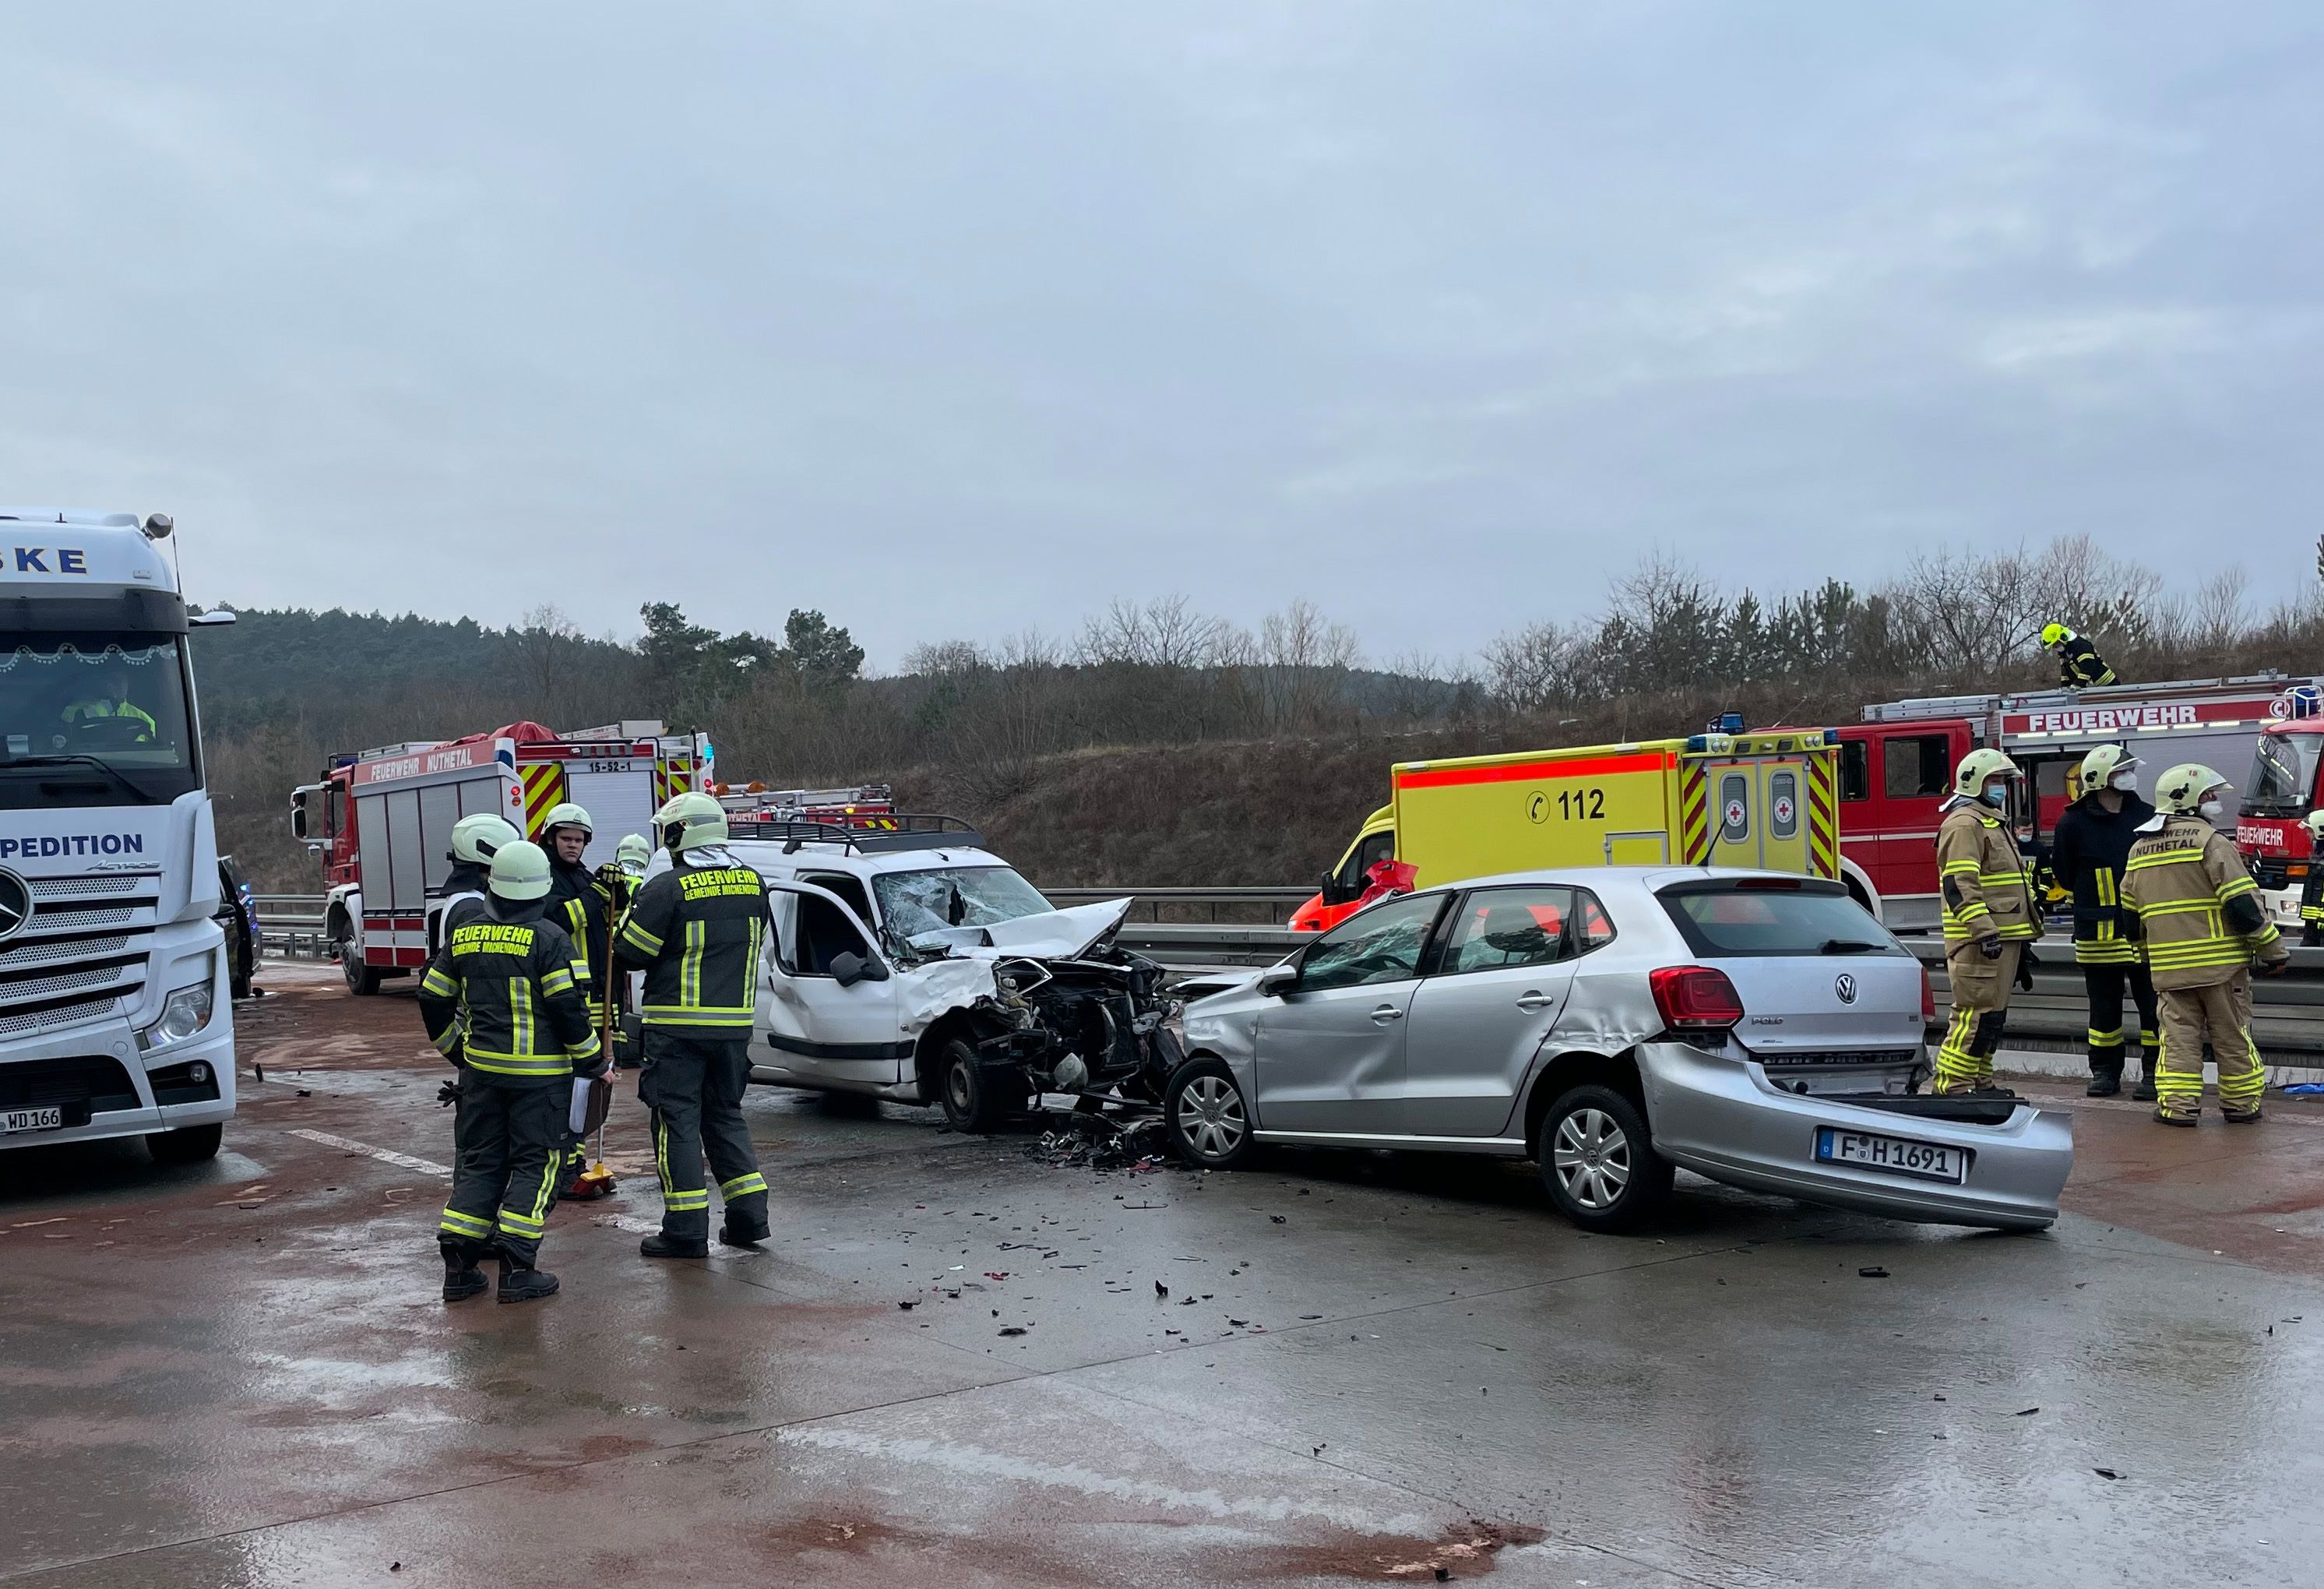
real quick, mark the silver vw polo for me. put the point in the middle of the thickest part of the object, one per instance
(1613, 1024)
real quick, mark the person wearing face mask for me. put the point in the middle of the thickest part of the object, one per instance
(2200, 915)
(1989, 918)
(2086, 855)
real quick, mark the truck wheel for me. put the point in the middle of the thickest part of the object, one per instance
(1208, 1121)
(1598, 1162)
(363, 981)
(970, 1103)
(187, 1145)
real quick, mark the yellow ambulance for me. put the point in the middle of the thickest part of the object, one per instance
(1768, 798)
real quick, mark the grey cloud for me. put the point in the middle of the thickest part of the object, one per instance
(958, 320)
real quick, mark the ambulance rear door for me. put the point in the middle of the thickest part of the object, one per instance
(1773, 810)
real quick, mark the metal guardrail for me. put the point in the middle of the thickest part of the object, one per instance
(292, 925)
(1188, 926)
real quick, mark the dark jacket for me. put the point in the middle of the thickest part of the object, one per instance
(2080, 665)
(2087, 855)
(578, 902)
(504, 997)
(695, 931)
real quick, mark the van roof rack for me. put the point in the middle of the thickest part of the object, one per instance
(899, 830)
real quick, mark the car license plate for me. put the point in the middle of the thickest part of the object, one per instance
(1893, 1155)
(16, 1119)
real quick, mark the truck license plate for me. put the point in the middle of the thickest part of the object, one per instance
(1895, 1155)
(16, 1119)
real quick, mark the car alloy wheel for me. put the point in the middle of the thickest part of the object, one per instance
(1211, 1117)
(1591, 1154)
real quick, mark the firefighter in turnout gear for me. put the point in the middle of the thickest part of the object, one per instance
(2311, 891)
(580, 904)
(2092, 842)
(475, 839)
(2200, 915)
(695, 930)
(502, 1000)
(1989, 918)
(2080, 665)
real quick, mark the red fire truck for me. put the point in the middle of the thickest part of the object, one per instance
(1896, 765)
(870, 807)
(382, 820)
(2285, 783)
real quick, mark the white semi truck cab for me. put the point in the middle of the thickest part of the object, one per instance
(115, 1019)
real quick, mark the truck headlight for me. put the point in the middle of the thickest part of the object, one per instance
(184, 1012)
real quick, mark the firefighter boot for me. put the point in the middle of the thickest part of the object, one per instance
(736, 1233)
(2106, 1078)
(2243, 1116)
(2144, 1091)
(462, 1277)
(521, 1283)
(659, 1246)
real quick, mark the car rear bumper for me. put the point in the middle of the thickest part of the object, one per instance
(1721, 1118)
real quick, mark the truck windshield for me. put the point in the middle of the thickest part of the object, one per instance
(2282, 775)
(94, 720)
(914, 902)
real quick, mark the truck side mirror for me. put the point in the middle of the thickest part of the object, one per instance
(848, 968)
(298, 816)
(1278, 980)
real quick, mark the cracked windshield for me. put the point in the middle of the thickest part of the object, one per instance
(912, 903)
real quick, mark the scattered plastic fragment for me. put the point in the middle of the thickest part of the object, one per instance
(1872, 1273)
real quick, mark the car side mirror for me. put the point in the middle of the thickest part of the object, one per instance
(1278, 980)
(847, 969)
(1330, 892)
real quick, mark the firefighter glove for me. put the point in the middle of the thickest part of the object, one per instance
(1989, 947)
(2025, 964)
(449, 1092)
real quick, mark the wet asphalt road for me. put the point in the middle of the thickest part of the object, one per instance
(1365, 1369)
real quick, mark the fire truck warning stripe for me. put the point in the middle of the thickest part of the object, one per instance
(544, 787)
(1518, 772)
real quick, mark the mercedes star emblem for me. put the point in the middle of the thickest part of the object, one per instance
(15, 904)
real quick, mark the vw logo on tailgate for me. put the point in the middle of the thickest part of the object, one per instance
(1845, 988)
(15, 904)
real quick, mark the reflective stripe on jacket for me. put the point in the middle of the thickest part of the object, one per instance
(1985, 886)
(2087, 857)
(2080, 665)
(697, 932)
(509, 998)
(2198, 908)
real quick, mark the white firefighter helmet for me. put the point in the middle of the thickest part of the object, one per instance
(2104, 761)
(1979, 768)
(567, 815)
(2180, 789)
(521, 871)
(690, 820)
(476, 838)
(633, 854)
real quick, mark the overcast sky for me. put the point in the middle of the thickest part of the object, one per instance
(955, 318)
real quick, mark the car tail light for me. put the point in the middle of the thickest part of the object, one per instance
(1928, 996)
(1696, 999)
